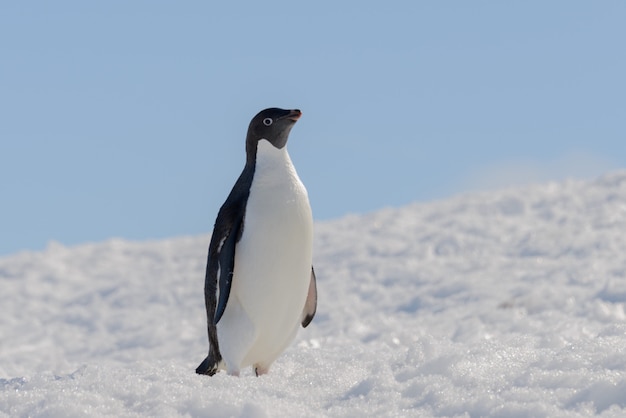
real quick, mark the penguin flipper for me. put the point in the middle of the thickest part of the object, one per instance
(310, 306)
(226, 269)
(221, 259)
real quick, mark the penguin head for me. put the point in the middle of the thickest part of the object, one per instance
(273, 125)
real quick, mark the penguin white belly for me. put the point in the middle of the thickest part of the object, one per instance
(272, 265)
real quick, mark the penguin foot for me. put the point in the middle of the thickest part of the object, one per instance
(207, 367)
(260, 370)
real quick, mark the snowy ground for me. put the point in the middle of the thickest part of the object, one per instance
(507, 303)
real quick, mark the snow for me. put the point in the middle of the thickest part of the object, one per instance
(507, 303)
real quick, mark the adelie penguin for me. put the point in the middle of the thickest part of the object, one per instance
(260, 285)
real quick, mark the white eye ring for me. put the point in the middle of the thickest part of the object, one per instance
(267, 121)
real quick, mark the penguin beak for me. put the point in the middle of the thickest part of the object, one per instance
(294, 115)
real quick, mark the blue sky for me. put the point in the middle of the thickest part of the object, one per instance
(128, 119)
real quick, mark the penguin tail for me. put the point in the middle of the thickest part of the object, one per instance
(208, 367)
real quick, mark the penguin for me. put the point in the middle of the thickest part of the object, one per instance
(260, 285)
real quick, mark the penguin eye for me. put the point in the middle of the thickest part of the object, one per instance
(267, 121)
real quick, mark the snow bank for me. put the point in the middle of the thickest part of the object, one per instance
(507, 303)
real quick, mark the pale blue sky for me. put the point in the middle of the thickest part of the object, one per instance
(128, 118)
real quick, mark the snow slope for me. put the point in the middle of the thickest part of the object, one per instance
(507, 303)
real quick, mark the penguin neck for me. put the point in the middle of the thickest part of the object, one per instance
(273, 162)
(252, 147)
